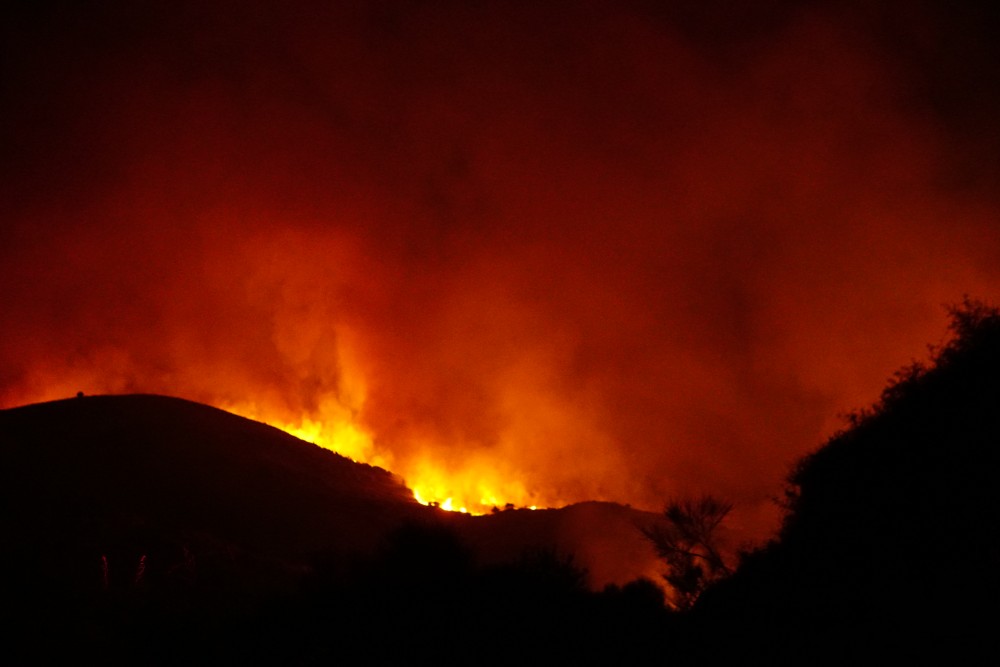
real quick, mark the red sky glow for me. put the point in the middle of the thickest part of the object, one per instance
(516, 252)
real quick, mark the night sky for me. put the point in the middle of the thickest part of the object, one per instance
(537, 252)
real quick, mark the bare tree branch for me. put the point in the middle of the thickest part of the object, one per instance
(688, 544)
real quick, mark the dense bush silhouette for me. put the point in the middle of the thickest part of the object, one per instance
(423, 594)
(892, 535)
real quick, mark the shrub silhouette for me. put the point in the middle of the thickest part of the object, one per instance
(422, 593)
(892, 528)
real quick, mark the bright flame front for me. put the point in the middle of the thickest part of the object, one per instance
(476, 486)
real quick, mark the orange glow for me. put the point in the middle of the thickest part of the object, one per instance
(334, 432)
(473, 487)
(513, 252)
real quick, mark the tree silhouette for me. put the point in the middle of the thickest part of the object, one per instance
(688, 542)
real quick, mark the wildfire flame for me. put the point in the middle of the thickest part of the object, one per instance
(477, 487)
(664, 274)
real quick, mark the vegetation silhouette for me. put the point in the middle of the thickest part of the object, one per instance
(688, 542)
(891, 540)
(423, 594)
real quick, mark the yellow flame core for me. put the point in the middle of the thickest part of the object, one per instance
(476, 488)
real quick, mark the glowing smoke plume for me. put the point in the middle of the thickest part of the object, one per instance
(516, 254)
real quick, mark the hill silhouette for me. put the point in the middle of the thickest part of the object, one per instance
(891, 543)
(109, 463)
(130, 518)
(85, 469)
(112, 501)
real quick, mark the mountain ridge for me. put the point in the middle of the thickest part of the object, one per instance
(138, 473)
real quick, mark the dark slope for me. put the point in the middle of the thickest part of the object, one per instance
(126, 475)
(144, 528)
(892, 541)
(83, 477)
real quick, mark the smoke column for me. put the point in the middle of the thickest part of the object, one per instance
(516, 252)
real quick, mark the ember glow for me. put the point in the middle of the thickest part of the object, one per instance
(516, 253)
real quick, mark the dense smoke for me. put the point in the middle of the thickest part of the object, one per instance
(596, 250)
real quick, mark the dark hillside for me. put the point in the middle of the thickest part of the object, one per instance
(140, 527)
(892, 539)
(94, 472)
(131, 518)
(122, 477)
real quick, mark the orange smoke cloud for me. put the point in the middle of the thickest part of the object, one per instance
(527, 255)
